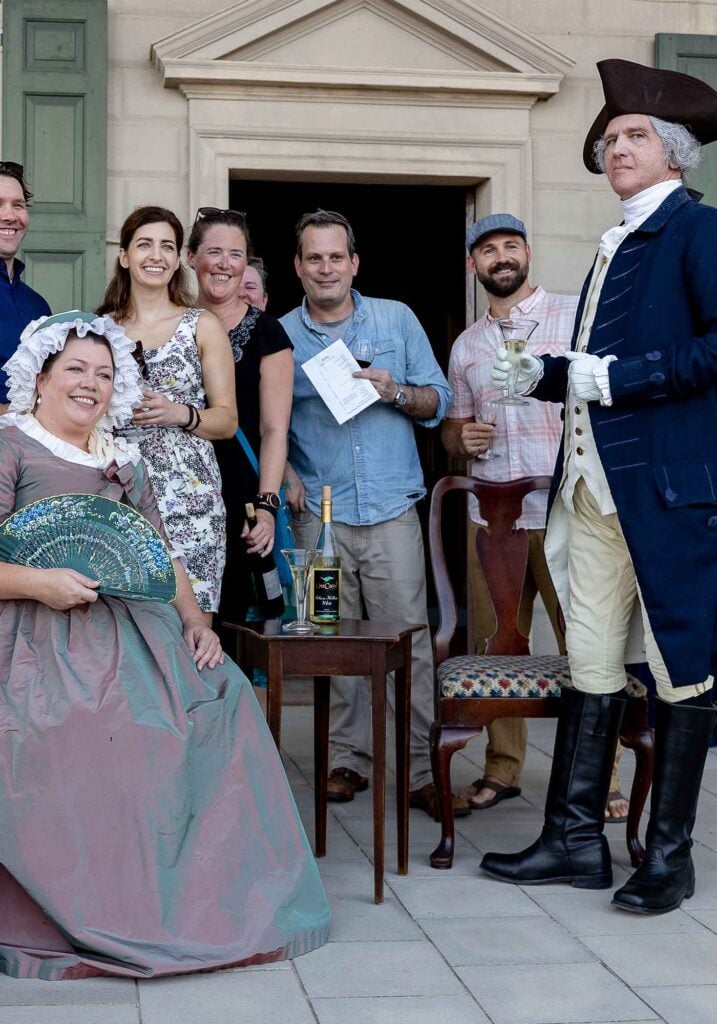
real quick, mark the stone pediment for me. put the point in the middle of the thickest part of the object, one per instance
(404, 44)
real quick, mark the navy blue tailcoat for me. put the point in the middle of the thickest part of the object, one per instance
(657, 314)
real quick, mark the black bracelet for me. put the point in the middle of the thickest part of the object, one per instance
(258, 503)
(193, 421)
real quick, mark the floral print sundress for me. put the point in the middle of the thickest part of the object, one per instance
(183, 467)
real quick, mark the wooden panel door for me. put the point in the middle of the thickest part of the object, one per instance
(55, 124)
(697, 56)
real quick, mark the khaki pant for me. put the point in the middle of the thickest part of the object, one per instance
(383, 572)
(507, 737)
(603, 591)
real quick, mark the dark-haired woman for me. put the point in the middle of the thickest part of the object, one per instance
(219, 246)
(189, 396)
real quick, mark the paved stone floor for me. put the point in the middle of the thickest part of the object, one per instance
(445, 947)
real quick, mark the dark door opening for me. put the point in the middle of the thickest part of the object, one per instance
(411, 245)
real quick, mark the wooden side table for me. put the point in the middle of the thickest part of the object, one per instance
(353, 647)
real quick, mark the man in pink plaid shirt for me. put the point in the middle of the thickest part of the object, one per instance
(525, 438)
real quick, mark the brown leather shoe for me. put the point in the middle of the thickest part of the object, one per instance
(343, 784)
(424, 799)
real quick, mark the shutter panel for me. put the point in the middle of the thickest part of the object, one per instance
(697, 56)
(55, 124)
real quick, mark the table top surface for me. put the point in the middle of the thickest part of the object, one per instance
(346, 629)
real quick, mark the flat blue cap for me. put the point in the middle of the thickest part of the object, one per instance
(492, 223)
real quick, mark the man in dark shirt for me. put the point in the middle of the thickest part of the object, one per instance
(19, 304)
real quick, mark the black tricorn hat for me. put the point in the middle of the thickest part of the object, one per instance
(635, 89)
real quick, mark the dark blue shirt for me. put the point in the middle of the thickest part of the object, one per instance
(19, 304)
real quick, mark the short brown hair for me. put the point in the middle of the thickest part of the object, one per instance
(325, 219)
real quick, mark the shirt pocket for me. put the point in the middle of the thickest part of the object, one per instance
(385, 358)
(687, 482)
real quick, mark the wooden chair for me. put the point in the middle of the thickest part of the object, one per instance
(473, 690)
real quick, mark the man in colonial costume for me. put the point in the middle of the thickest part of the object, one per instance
(633, 527)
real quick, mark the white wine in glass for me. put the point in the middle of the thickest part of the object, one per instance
(516, 331)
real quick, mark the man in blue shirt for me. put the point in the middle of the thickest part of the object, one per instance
(372, 465)
(19, 304)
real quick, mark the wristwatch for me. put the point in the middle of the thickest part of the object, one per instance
(269, 501)
(401, 397)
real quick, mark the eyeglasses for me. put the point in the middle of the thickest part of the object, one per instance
(10, 167)
(205, 212)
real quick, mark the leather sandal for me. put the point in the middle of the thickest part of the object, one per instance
(501, 789)
(611, 819)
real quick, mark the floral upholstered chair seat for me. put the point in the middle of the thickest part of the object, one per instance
(485, 675)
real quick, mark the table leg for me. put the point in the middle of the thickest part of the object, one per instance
(275, 676)
(402, 684)
(322, 697)
(378, 708)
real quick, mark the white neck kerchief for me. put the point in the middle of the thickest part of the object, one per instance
(635, 211)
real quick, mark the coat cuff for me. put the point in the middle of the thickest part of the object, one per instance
(638, 377)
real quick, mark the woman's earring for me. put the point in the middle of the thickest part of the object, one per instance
(39, 400)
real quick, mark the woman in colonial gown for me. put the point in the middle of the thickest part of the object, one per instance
(146, 824)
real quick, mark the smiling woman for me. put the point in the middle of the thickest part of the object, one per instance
(174, 844)
(188, 399)
(218, 249)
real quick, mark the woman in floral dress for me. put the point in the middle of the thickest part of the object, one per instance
(189, 398)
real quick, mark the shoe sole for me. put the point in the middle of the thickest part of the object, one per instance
(652, 910)
(580, 882)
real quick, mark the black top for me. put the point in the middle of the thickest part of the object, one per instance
(257, 335)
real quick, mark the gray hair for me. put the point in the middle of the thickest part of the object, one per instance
(681, 147)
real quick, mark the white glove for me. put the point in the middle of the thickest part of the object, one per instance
(530, 370)
(588, 377)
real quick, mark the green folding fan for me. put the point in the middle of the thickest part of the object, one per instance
(98, 537)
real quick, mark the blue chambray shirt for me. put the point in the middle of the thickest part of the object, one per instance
(371, 462)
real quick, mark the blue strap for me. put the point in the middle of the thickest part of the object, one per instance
(248, 450)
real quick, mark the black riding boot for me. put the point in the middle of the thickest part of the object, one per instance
(571, 847)
(667, 874)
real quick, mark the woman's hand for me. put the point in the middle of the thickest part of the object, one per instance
(260, 540)
(157, 410)
(204, 644)
(63, 589)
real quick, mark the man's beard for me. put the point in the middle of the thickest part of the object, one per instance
(507, 286)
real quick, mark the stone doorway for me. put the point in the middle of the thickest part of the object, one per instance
(410, 241)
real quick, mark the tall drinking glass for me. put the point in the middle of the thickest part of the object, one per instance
(300, 561)
(516, 331)
(488, 414)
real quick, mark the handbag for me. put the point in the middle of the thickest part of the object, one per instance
(283, 535)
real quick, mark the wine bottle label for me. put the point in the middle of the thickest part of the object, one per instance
(272, 584)
(326, 594)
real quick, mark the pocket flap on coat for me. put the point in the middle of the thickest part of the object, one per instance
(687, 482)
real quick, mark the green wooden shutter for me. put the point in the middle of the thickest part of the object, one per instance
(697, 56)
(55, 124)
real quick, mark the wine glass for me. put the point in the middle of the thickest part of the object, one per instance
(516, 331)
(300, 561)
(363, 351)
(488, 414)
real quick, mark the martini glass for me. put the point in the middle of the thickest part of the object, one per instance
(300, 562)
(516, 331)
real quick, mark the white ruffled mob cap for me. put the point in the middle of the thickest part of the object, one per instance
(47, 335)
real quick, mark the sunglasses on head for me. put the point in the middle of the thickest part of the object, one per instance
(205, 212)
(10, 167)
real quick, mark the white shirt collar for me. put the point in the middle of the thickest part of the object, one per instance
(105, 448)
